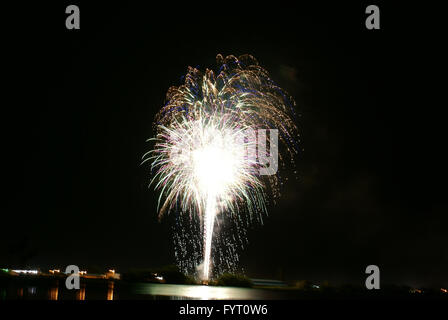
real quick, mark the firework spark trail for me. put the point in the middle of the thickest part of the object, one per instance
(209, 223)
(200, 157)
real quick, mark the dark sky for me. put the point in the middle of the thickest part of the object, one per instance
(79, 105)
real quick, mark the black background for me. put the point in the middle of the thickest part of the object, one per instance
(78, 105)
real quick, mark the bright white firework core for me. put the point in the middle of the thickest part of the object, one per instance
(215, 167)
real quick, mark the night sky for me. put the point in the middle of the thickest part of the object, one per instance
(79, 105)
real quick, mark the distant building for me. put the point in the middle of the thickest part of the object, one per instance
(92, 275)
(17, 272)
(111, 274)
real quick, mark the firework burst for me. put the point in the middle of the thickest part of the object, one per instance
(203, 157)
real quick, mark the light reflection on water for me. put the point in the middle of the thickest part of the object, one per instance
(123, 291)
(199, 292)
(53, 293)
(110, 291)
(81, 294)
